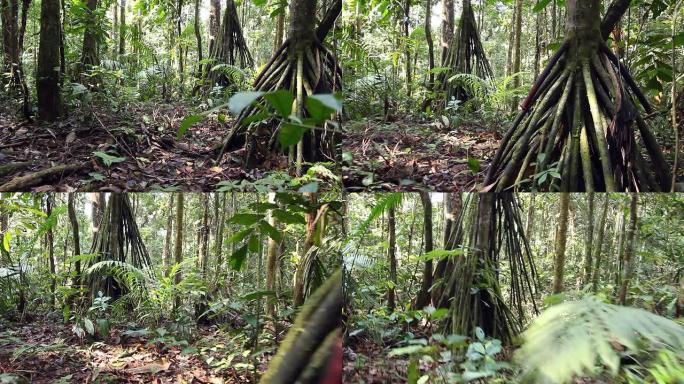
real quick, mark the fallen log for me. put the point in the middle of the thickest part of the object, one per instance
(10, 168)
(21, 183)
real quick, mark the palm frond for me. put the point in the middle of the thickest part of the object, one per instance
(574, 338)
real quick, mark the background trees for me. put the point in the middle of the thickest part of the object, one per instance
(246, 298)
(509, 278)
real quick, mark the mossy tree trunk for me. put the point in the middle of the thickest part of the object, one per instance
(73, 220)
(577, 120)
(588, 251)
(166, 254)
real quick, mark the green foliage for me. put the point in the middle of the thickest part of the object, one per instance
(320, 108)
(577, 338)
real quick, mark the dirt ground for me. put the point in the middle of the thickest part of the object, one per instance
(49, 352)
(143, 135)
(406, 156)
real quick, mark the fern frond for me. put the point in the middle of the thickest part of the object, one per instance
(135, 279)
(575, 338)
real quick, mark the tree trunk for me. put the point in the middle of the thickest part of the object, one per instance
(588, 255)
(280, 31)
(628, 260)
(272, 271)
(50, 237)
(561, 238)
(220, 225)
(423, 298)
(198, 35)
(166, 255)
(307, 253)
(392, 258)
(447, 27)
(204, 245)
(407, 50)
(48, 74)
(77, 239)
(679, 311)
(431, 51)
(90, 56)
(517, 53)
(122, 29)
(452, 209)
(178, 251)
(214, 25)
(599, 245)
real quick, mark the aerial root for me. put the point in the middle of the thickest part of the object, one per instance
(576, 122)
(322, 74)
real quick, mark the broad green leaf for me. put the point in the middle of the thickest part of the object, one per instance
(245, 218)
(321, 107)
(187, 123)
(281, 101)
(237, 259)
(89, 326)
(271, 231)
(239, 236)
(258, 295)
(242, 100)
(108, 159)
(287, 217)
(309, 188)
(6, 240)
(291, 134)
(254, 244)
(541, 4)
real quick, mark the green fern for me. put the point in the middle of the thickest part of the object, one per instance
(576, 338)
(135, 279)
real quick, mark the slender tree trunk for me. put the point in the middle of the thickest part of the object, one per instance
(529, 226)
(407, 50)
(599, 245)
(588, 256)
(299, 294)
(431, 50)
(423, 298)
(73, 219)
(561, 238)
(517, 53)
(272, 272)
(220, 225)
(178, 251)
(198, 35)
(122, 29)
(204, 246)
(166, 255)
(392, 258)
(50, 237)
(48, 74)
(628, 259)
(280, 31)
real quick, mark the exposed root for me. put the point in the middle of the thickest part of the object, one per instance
(321, 74)
(579, 115)
(465, 55)
(23, 182)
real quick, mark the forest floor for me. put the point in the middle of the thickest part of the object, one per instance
(49, 352)
(142, 138)
(410, 156)
(407, 156)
